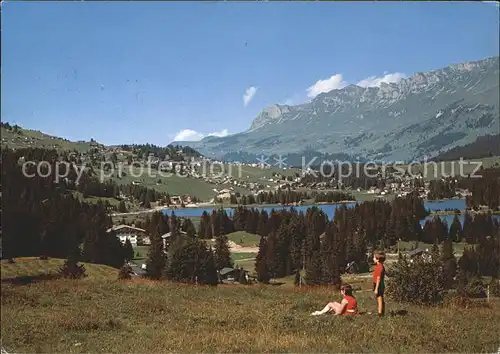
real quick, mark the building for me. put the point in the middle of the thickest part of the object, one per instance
(232, 274)
(124, 232)
(166, 237)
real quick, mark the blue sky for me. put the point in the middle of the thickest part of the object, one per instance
(136, 72)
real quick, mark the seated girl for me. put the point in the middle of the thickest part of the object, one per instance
(348, 305)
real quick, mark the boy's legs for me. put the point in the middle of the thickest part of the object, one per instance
(380, 305)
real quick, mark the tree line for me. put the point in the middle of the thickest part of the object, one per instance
(285, 196)
(483, 146)
(41, 217)
(173, 152)
(182, 256)
(485, 189)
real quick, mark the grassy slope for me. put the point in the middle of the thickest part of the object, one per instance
(144, 316)
(40, 140)
(176, 185)
(33, 267)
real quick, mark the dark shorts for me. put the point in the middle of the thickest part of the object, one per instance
(381, 289)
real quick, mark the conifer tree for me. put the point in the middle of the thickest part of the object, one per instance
(462, 282)
(297, 280)
(261, 267)
(449, 263)
(456, 233)
(204, 220)
(216, 223)
(188, 228)
(122, 207)
(210, 275)
(468, 229)
(222, 254)
(71, 269)
(262, 223)
(128, 250)
(192, 262)
(330, 255)
(156, 261)
(314, 261)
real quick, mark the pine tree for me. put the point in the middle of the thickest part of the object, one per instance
(156, 261)
(314, 261)
(222, 254)
(297, 280)
(262, 223)
(188, 228)
(122, 207)
(128, 250)
(210, 276)
(456, 233)
(261, 267)
(216, 223)
(462, 282)
(193, 263)
(331, 257)
(71, 269)
(449, 263)
(468, 229)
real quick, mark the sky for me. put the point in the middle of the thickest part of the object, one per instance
(154, 72)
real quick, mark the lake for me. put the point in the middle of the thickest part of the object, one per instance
(329, 209)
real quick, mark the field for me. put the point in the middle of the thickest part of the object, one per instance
(32, 267)
(33, 138)
(102, 314)
(244, 239)
(177, 185)
(458, 248)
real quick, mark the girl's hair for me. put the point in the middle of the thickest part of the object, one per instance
(347, 289)
(380, 256)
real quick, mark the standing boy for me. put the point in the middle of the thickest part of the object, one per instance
(379, 281)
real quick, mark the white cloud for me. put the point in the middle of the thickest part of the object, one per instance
(321, 86)
(193, 135)
(374, 81)
(220, 134)
(248, 95)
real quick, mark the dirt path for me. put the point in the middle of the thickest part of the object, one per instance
(235, 248)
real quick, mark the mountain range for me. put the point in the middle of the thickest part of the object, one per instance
(420, 116)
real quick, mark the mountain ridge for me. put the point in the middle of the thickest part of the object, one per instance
(419, 116)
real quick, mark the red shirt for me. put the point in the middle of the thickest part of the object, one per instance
(379, 271)
(352, 305)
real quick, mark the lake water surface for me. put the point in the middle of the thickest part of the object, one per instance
(329, 209)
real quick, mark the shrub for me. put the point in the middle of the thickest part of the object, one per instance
(125, 272)
(243, 278)
(420, 282)
(475, 288)
(494, 287)
(72, 270)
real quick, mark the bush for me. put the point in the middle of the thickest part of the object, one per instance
(125, 272)
(72, 270)
(475, 288)
(494, 287)
(243, 278)
(419, 282)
